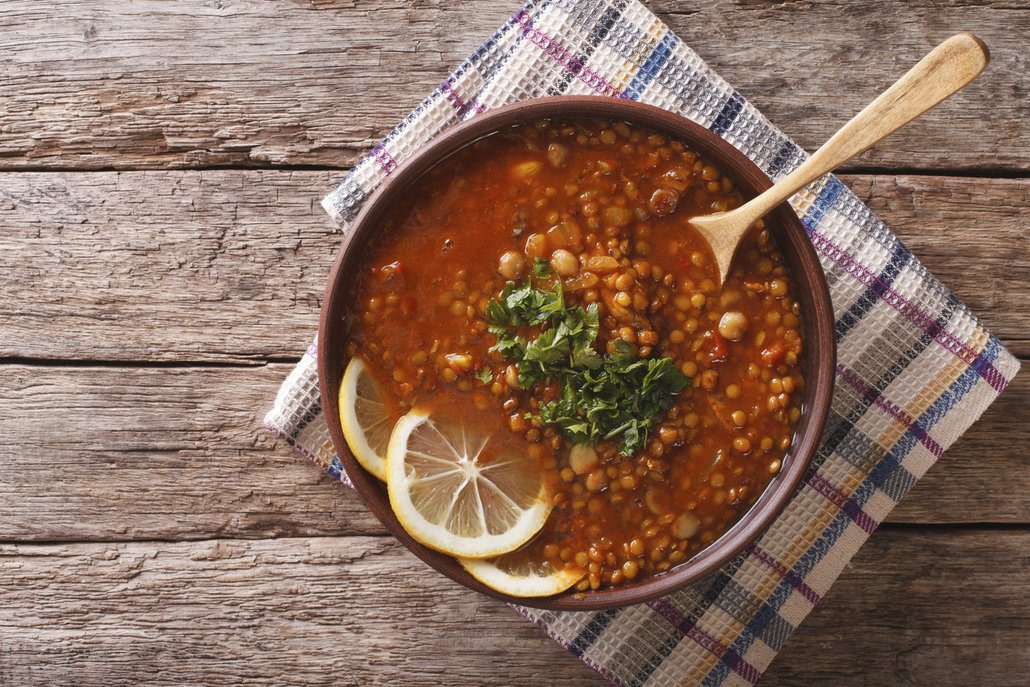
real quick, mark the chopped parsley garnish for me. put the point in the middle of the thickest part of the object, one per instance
(541, 268)
(611, 397)
(485, 375)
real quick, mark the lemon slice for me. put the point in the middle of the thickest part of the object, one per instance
(518, 574)
(363, 414)
(462, 491)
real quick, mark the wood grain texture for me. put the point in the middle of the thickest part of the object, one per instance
(230, 265)
(111, 453)
(363, 611)
(149, 84)
(169, 453)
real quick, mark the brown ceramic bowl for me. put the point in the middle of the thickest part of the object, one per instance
(790, 236)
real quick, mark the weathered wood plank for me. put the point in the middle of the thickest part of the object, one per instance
(124, 453)
(919, 608)
(231, 265)
(97, 454)
(214, 265)
(362, 611)
(322, 611)
(103, 84)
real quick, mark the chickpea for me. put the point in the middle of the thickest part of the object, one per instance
(511, 265)
(619, 217)
(686, 525)
(536, 245)
(733, 325)
(564, 263)
(582, 459)
(557, 155)
(778, 288)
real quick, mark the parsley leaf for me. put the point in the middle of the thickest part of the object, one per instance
(520, 306)
(602, 397)
(485, 375)
(541, 268)
(624, 396)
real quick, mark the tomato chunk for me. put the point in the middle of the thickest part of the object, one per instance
(720, 349)
(773, 354)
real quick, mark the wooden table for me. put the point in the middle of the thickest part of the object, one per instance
(163, 259)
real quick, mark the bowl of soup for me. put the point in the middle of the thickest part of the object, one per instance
(534, 378)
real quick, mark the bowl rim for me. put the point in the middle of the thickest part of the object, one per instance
(818, 323)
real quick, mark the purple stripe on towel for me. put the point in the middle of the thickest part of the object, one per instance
(891, 409)
(841, 500)
(385, 160)
(894, 299)
(572, 64)
(706, 641)
(793, 578)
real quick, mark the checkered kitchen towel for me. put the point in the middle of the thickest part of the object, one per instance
(915, 367)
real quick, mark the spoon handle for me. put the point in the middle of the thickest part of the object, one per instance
(944, 71)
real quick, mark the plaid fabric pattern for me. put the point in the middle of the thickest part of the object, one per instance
(915, 367)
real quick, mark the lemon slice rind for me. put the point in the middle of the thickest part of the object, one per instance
(366, 424)
(531, 585)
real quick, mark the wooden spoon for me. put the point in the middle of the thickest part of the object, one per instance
(946, 70)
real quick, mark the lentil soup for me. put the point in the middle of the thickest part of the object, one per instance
(672, 402)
